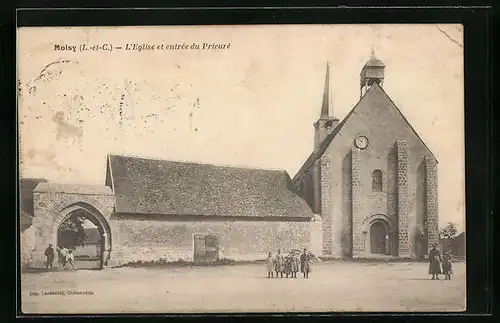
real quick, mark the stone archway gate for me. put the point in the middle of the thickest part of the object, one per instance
(54, 202)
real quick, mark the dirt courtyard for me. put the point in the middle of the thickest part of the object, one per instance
(334, 286)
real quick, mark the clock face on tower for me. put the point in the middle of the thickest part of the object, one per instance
(361, 142)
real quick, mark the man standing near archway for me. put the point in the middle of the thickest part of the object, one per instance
(49, 253)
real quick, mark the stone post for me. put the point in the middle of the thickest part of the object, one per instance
(326, 207)
(357, 217)
(431, 201)
(402, 171)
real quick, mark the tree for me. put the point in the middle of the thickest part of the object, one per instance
(71, 233)
(448, 233)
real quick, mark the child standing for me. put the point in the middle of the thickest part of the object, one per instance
(287, 266)
(447, 267)
(295, 265)
(70, 258)
(269, 265)
(62, 253)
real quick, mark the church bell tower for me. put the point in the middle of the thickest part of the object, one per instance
(322, 128)
(372, 72)
(326, 123)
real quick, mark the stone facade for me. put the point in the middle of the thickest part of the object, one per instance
(391, 184)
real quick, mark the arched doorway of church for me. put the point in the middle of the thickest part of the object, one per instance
(378, 238)
(83, 233)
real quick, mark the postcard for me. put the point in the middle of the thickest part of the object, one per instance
(248, 168)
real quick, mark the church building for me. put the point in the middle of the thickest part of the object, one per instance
(370, 177)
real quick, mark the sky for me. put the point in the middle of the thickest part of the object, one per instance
(250, 104)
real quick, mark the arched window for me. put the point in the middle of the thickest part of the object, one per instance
(377, 180)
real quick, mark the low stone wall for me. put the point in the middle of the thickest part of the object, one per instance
(136, 239)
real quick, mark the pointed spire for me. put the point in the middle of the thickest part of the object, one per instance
(325, 107)
(373, 51)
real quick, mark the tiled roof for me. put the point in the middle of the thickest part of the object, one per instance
(162, 187)
(374, 62)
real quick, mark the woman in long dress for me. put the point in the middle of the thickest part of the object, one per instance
(434, 262)
(279, 264)
(305, 263)
(269, 265)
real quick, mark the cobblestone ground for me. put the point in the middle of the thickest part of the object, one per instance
(332, 286)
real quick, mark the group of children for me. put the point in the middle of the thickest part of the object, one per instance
(288, 265)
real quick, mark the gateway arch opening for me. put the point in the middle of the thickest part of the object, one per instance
(84, 235)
